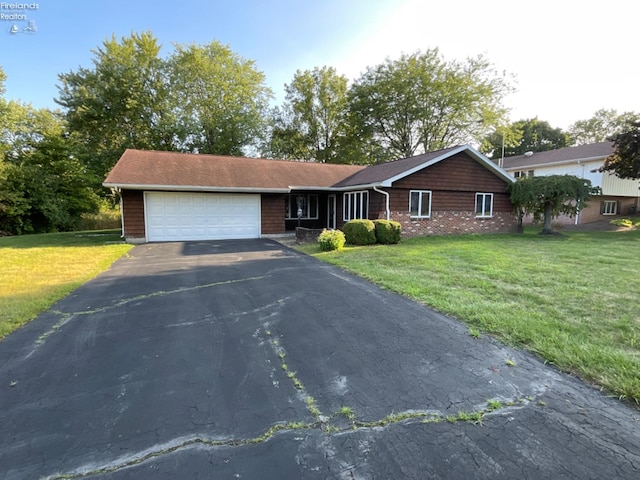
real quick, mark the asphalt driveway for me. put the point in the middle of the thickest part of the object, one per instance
(213, 360)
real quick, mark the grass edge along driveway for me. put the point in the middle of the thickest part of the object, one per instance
(571, 299)
(38, 270)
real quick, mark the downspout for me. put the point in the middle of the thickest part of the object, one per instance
(577, 219)
(386, 204)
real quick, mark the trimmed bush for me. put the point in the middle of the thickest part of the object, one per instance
(360, 232)
(387, 231)
(331, 240)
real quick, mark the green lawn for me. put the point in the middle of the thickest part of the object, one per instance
(38, 270)
(572, 299)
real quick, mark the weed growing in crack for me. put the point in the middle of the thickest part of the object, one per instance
(312, 406)
(471, 417)
(494, 405)
(474, 332)
(347, 412)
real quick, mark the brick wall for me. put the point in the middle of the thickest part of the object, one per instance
(451, 222)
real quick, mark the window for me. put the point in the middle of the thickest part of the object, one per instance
(420, 203)
(523, 174)
(484, 204)
(356, 205)
(307, 203)
(609, 207)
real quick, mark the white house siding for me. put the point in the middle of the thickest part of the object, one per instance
(612, 185)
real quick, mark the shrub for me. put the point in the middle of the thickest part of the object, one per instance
(387, 231)
(331, 240)
(622, 222)
(360, 232)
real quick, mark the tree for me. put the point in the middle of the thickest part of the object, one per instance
(312, 122)
(625, 160)
(604, 125)
(531, 135)
(420, 103)
(122, 102)
(220, 97)
(547, 197)
(43, 185)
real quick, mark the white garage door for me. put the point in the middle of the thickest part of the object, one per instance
(201, 216)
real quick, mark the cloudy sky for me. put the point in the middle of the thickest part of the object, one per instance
(569, 58)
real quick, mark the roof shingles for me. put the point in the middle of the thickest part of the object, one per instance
(568, 154)
(170, 169)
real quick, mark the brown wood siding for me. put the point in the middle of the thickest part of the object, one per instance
(458, 173)
(133, 214)
(454, 183)
(272, 214)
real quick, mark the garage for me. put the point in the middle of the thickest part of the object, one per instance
(176, 216)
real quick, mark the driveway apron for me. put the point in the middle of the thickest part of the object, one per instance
(247, 359)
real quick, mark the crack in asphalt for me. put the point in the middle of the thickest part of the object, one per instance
(65, 317)
(343, 421)
(324, 424)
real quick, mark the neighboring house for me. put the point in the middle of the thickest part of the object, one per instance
(169, 196)
(619, 196)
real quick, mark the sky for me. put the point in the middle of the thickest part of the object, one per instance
(567, 58)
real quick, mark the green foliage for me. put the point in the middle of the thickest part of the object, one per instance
(45, 189)
(420, 102)
(360, 232)
(119, 103)
(531, 135)
(387, 231)
(604, 125)
(311, 123)
(331, 240)
(547, 197)
(625, 160)
(201, 98)
(220, 99)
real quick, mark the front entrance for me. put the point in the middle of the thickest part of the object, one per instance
(331, 211)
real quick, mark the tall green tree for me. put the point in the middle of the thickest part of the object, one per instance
(420, 102)
(221, 99)
(44, 185)
(604, 125)
(625, 160)
(311, 125)
(529, 135)
(547, 197)
(121, 102)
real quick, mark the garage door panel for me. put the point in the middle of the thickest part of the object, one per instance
(201, 216)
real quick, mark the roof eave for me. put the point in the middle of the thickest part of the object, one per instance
(559, 162)
(193, 188)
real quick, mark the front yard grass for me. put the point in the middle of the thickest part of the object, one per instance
(38, 270)
(574, 299)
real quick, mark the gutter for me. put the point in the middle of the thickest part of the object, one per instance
(386, 206)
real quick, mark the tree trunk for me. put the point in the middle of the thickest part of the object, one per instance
(547, 219)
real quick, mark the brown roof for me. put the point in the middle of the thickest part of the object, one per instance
(155, 169)
(561, 155)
